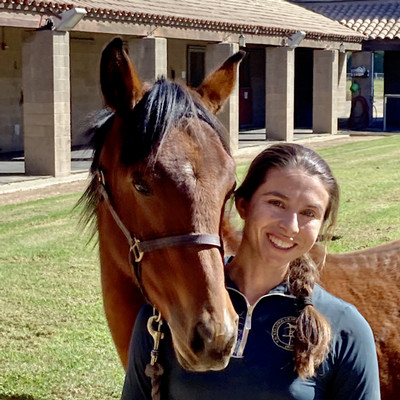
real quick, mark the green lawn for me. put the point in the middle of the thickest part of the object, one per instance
(369, 177)
(54, 341)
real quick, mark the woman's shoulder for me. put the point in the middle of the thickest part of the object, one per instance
(342, 315)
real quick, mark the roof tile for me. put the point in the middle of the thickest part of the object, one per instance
(349, 13)
(265, 15)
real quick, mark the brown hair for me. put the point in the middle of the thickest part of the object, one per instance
(313, 332)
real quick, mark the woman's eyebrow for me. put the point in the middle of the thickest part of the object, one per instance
(276, 194)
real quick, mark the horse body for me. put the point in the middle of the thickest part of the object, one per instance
(370, 279)
(161, 174)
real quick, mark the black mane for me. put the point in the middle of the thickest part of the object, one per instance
(164, 106)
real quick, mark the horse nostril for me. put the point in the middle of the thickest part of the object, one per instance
(203, 334)
(197, 343)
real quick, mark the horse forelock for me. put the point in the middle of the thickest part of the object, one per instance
(165, 106)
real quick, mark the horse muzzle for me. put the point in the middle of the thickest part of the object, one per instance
(210, 344)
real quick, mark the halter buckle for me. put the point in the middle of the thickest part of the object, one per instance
(135, 250)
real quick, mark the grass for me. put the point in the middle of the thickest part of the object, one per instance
(378, 88)
(54, 340)
(369, 176)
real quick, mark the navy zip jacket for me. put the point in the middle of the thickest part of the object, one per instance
(262, 366)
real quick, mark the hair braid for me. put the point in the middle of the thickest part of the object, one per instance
(313, 332)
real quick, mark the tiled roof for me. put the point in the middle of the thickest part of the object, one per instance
(258, 17)
(375, 19)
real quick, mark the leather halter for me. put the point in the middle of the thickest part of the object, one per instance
(137, 247)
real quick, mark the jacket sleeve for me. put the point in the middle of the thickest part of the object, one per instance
(356, 374)
(137, 385)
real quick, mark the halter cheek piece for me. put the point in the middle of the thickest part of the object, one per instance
(137, 248)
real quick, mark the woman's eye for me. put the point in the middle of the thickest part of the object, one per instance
(142, 187)
(310, 213)
(276, 203)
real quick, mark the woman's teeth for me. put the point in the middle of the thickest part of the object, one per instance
(280, 243)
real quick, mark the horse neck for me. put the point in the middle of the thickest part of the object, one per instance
(231, 236)
(380, 262)
(387, 254)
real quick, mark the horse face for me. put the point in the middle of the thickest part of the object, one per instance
(184, 192)
(180, 187)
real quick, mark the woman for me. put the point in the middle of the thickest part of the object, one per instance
(295, 340)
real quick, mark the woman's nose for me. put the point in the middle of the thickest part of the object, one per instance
(289, 223)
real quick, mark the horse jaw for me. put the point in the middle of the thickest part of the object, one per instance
(217, 348)
(195, 304)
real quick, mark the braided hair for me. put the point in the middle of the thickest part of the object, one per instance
(313, 332)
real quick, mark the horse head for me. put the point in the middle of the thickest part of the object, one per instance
(161, 176)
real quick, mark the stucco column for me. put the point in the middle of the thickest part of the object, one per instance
(342, 111)
(149, 56)
(364, 59)
(279, 93)
(215, 56)
(46, 108)
(325, 91)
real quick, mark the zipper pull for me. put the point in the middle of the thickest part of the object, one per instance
(247, 323)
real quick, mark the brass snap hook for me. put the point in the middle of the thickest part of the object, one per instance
(156, 334)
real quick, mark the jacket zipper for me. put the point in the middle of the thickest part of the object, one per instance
(241, 344)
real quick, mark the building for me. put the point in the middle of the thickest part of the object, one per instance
(49, 65)
(379, 21)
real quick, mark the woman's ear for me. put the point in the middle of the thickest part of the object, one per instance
(241, 206)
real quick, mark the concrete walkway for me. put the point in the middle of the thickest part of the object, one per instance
(13, 179)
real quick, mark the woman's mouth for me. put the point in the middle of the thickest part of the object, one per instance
(280, 244)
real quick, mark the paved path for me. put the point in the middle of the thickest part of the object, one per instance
(15, 187)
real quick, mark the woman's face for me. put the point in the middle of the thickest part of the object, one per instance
(284, 216)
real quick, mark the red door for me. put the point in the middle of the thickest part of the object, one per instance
(245, 106)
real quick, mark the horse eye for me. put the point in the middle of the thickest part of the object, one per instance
(141, 186)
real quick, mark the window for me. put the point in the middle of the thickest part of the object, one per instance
(196, 65)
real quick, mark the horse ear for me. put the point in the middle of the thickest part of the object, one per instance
(218, 86)
(120, 84)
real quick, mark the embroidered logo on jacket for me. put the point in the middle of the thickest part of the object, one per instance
(283, 333)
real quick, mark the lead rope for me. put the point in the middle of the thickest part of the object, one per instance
(154, 370)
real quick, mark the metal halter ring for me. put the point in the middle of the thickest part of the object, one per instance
(135, 251)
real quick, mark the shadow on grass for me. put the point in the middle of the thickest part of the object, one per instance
(17, 397)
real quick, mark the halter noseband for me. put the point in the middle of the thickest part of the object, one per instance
(137, 247)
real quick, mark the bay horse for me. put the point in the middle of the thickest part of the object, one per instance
(161, 174)
(370, 279)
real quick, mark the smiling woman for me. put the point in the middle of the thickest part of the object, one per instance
(283, 220)
(295, 340)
